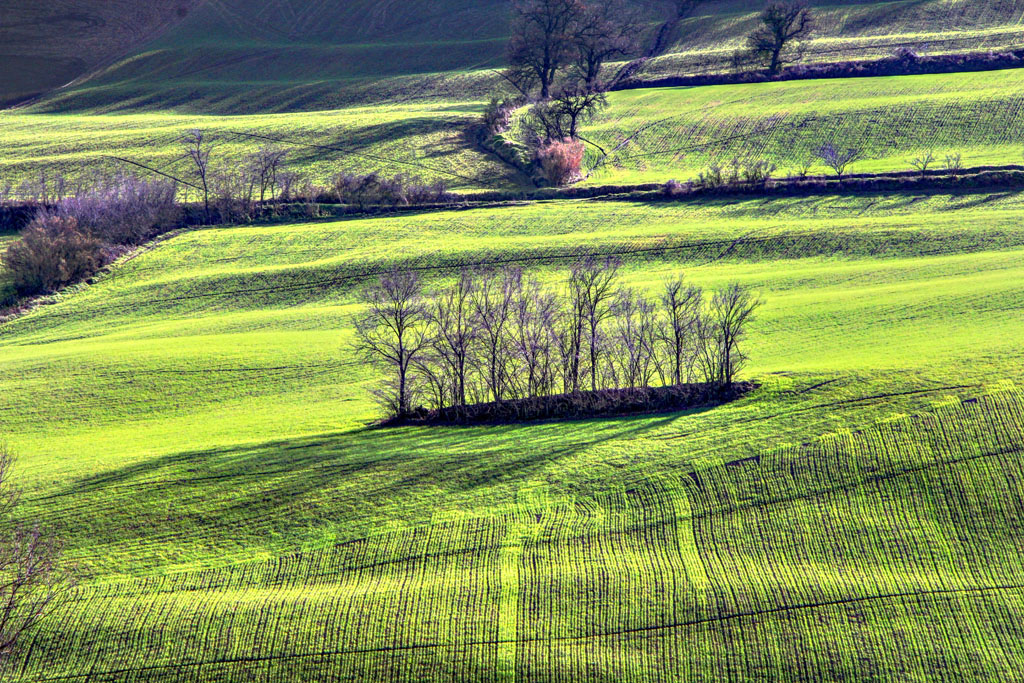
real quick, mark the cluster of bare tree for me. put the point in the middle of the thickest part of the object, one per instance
(499, 335)
(31, 579)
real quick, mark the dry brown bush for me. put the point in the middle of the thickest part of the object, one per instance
(51, 254)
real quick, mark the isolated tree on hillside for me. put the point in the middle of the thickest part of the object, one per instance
(393, 333)
(31, 580)
(561, 117)
(838, 159)
(543, 41)
(778, 38)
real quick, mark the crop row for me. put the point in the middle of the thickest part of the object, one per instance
(908, 527)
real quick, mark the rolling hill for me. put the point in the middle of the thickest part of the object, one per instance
(194, 424)
(247, 56)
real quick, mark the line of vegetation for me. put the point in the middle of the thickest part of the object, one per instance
(904, 61)
(494, 336)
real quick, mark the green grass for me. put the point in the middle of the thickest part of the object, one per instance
(649, 135)
(245, 56)
(430, 141)
(663, 133)
(193, 422)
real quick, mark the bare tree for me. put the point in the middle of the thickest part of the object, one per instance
(683, 308)
(777, 40)
(265, 166)
(921, 163)
(393, 333)
(732, 310)
(606, 29)
(635, 326)
(31, 580)
(838, 160)
(593, 281)
(534, 316)
(542, 41)
(493, 305)
(197, 148)
(454, 335)
(572, 105)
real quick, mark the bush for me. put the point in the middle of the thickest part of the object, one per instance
(560, 161)
(498, 114)
(52, 253)
(374, 189)
(124, 210)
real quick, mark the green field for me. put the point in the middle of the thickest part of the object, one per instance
(430, 141)
(245, 56)
(194, 423)
(652, 135)
(649, 135)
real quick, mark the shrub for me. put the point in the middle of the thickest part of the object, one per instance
(52, 253)
(560, 161)
(124, 210)
(759, 172)
(498, 114)
(954, 163)
(905, 55)
(713, 178)
(674, 188)
(375, 189)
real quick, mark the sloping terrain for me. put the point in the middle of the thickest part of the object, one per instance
(44, 45)
(244, 56)
(645, 136)
(651, 135)
(194, 423)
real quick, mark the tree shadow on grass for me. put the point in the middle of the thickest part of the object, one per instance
(274, 496)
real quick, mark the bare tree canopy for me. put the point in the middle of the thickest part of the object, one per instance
(838, 159)
(777, 40)
(543, 41)
(732, 310)
(393, 333)
(605, 29)
(197, 148)
(561, 117)
(497, 336)
(30, 579)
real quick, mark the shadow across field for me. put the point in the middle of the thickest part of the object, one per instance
(243, 499)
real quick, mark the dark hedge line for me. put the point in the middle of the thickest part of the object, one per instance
(904, 65)
(582, 405)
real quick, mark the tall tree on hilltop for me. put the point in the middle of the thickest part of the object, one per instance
(777, 40)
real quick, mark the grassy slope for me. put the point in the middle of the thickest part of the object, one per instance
(657, 134)
(238, 56)
(91, 32)
(431, 141)
(196, 414)
(651, 135)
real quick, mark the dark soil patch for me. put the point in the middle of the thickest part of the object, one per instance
(582, 405)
